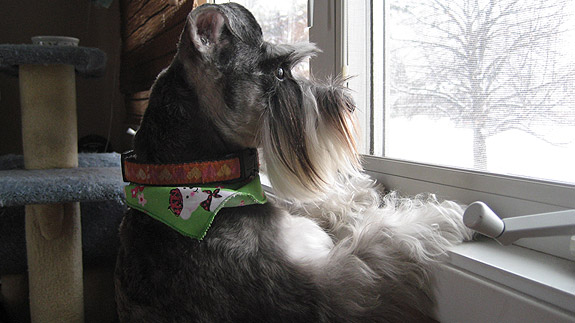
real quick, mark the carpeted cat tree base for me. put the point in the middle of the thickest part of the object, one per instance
(97, 182)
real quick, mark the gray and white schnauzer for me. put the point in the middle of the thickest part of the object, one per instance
(201, 243)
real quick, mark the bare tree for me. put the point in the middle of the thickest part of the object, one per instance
(488, 65)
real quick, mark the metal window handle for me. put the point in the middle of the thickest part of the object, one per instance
(310, 13)
(479, 217)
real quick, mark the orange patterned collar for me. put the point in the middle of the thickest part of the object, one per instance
(236, 167)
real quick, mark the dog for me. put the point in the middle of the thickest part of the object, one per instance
(329, 248)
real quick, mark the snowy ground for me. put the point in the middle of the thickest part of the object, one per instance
(513, 152)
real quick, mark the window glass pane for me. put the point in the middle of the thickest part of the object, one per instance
(479, 84)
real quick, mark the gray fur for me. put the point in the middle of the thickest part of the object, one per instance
(224, 92)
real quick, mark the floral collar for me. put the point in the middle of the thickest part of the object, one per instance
(233, 168)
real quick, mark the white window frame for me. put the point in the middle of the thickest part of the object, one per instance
(533, 283)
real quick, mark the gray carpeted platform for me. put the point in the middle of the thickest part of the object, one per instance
(88, 62)
(22, 187)
(86, 183)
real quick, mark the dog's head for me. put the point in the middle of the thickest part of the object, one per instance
(246, 87)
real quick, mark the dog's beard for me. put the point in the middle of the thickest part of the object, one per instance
(308, 139)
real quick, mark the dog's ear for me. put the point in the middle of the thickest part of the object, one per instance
(204, 29)
(214, 27)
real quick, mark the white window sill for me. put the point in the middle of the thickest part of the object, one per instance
(486, 282)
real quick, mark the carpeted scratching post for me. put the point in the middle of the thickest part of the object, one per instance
(49, 136)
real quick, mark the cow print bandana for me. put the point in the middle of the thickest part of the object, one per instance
(191, 210)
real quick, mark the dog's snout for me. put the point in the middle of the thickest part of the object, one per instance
(336, 95)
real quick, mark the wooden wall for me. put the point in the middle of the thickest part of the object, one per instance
(150, 32)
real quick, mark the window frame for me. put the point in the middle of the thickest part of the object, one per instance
(506, 195)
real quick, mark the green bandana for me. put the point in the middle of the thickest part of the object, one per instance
(191, 210)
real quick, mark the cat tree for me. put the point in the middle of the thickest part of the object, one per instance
(49, 134)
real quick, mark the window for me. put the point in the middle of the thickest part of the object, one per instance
(470, 99)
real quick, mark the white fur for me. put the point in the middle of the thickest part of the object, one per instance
(303, 241)
(382, 245)
(355, 205)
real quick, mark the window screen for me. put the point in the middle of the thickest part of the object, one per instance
(478, 84)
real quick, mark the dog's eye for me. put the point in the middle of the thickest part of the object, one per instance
(280, 73)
